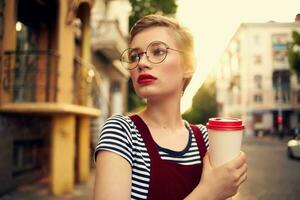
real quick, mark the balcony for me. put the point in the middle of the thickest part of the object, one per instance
(108, 38)
(30, 84)
(30, 76)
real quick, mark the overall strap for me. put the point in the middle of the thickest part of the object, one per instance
(146, 135)
(200, 140)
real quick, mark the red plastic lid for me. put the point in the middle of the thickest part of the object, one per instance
(225, 124)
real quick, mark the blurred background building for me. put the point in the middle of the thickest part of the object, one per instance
(255, 82)
(109, 40)
(59, 71)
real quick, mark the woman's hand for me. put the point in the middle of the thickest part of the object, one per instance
(223, 182)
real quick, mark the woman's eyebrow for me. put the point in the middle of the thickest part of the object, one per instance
(134, 49)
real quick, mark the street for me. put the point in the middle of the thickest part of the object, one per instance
(271, 174)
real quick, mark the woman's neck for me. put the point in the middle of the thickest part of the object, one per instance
(163, 113)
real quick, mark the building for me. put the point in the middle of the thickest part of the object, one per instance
(109, 39)
(47, 83)
(255, 83)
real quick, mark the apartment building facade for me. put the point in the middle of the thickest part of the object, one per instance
(47, 89)
(254, 81)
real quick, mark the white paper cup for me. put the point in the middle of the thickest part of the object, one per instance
(225, 139)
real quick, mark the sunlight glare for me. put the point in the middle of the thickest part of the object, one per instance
(213, 23)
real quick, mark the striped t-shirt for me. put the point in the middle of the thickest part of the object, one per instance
(120, 135)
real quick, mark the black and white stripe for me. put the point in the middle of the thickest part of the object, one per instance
(119, 135)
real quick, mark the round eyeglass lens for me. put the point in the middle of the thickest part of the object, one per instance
(156, 52)
(130, 58)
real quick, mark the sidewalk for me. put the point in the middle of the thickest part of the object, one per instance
(41, 191)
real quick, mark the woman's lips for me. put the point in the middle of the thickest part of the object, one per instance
(146, 79)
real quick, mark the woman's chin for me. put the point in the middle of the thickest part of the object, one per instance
(149, 95)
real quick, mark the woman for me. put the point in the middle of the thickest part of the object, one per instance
(155, 154)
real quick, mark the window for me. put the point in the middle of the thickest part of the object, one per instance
(279, 49)
(25, 83)
(258, 98)
(257, 59)
(78, 30)
(258, 118)
(258, 81)
(281, 85)
(27, 155)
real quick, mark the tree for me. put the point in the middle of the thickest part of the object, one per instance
(141, 8)
(204, 105)
(294, 53)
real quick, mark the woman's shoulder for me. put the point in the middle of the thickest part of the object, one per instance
(117, 117)
(116, 136)
(118, 120)
(121, 124)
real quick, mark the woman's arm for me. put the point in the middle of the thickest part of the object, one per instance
(221, 182)
(113, 158)
(113, 177)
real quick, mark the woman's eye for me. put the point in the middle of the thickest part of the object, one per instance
(158, 52)
(134, 57)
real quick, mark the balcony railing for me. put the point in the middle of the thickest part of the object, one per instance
(86, 83)
(30, 76)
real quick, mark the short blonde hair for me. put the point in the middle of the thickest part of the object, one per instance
(183, 38)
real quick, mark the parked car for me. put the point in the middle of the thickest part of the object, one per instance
(293, 146)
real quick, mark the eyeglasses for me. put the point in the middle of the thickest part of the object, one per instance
(156, 52)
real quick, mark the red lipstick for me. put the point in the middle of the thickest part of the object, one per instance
(146, 79)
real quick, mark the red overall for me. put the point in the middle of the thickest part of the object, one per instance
(170, 180)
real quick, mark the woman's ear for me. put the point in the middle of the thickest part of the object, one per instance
(188, 74)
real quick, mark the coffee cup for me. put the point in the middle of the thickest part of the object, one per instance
(225, 139)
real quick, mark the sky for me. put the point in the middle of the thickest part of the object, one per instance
(213, 23)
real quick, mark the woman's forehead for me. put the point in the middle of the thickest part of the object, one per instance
(145, 37)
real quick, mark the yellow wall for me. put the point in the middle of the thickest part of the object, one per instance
(9, 41)
(66, 50)
(84, 158)
(66, 55)
(63, 132)
(86, 50)
(62, 154)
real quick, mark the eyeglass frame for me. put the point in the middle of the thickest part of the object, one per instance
(141, 54)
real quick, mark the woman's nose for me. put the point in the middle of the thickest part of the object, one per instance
(143, 62)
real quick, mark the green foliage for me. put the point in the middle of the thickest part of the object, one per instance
(294, 52)
(204, 105)
(141, 8)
